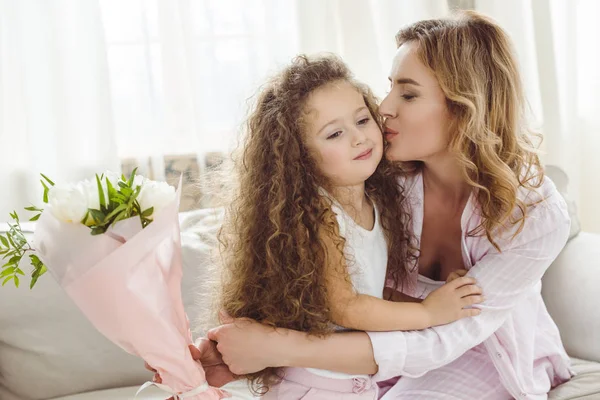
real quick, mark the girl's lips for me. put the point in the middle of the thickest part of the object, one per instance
(364, 155)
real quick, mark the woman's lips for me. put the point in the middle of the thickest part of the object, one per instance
(390, 133)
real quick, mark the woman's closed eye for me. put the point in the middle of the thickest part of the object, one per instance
(408, 97)
(364, 121)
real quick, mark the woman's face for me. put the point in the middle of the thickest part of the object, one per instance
(417, 119)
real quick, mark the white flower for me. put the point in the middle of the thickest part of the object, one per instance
(155, 194)
(139, 180)
(70, 202)
(113, 178)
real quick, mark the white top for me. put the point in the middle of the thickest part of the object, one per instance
(366, 253)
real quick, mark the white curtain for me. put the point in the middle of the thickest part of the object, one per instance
(55, 106)
(557, 44)
(85, 84)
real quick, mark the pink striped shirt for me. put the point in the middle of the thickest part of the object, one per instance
(514, 326)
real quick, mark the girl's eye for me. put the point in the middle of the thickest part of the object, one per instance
(334, 135)
(364, 121)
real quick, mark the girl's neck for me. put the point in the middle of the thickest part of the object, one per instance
(353, 199)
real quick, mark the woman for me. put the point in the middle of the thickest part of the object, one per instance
(479, 201)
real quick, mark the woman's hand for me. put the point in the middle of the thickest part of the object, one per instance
(447, 304)
(205, 351)
(247, 346)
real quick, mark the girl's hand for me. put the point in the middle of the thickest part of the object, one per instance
(447, 304)
(456, 274)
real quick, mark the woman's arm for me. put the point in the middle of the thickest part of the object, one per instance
(506, 277)
(248, 346)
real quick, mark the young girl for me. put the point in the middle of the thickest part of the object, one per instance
(317, 224)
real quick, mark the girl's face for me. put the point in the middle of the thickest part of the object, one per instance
(342, 135)
(417, 120)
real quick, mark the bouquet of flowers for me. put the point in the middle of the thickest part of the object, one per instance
(113, 244)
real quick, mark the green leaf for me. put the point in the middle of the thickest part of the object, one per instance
(32, 208)
(123, 185)
(136, 191)
(100, 191)
(85, 218)
(15, 216)
(45, 191)
(16, 278)
(127, 192)
(123, 215)
(14, 260)
(97, 215)
(132, 177)
(98, 230)
(47, 179)
(11, 240)
(111, 192)
(148, 212)
(7, 271)
(120, 197)
(20, 271)
(4, 241)
(116, 211)
(7, 279)
(36, 274)
(35, 218)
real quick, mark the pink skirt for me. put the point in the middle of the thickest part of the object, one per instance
(299, 383)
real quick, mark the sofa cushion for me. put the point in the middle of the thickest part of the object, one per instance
(570, 291)
(584, 386)
(561, 180)
(49, 349)
(238, 390)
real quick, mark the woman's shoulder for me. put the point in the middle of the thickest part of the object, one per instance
(545, 209)
(544, 194)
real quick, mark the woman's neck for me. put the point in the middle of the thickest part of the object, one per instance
(442, 175)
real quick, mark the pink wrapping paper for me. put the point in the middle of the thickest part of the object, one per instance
(127, 282)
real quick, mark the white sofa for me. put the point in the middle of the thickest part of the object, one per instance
(48, 350)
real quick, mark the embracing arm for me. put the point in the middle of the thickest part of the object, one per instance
(506, 277)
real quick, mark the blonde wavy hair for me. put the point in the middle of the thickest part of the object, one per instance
(272, 254)
(474, 63)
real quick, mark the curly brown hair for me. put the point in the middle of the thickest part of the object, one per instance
(472, 58)
(273, 256)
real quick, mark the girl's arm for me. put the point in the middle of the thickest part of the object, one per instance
(367, 313)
